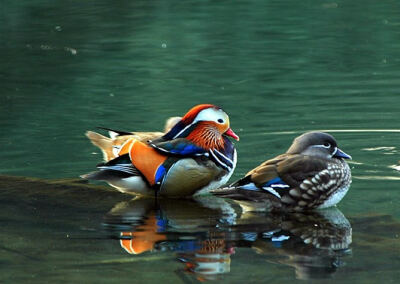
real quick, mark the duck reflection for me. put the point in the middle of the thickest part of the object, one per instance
(204, 234)
(312, 243)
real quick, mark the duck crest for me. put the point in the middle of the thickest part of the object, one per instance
(207, 136)
(193, 112)
(185, 126)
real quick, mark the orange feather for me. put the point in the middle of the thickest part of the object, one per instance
(126, 146)
(207, 136)
(146, 159)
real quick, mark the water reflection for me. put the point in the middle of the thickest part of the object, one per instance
(203, 234)
(313, 244)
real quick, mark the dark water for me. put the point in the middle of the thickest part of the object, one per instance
(279, 68)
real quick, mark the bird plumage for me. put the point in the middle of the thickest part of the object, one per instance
(311, 174)
(195, 155)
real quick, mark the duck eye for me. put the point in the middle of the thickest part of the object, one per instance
(327, 145)
(220, 120)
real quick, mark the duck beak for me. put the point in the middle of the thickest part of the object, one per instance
(232, 134)
(340, 154)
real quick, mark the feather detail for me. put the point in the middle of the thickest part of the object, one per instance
(206, 136)
(149, 166)
(180, 147)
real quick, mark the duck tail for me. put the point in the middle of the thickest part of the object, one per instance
(241, 182)
(104, 143)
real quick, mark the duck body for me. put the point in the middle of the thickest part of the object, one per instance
(312, 174)
(195, 156)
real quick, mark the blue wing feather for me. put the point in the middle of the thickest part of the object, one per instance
(161, 171)
(180, 147)
(276, 187)
(276, 182)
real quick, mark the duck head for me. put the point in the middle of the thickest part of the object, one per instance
(204, 125)
(317, 144)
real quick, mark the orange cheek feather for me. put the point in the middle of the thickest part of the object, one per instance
(204, 135)
(145, 158)
(222, 127)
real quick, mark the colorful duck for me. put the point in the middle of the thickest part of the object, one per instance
(311, 174)
(195, 156)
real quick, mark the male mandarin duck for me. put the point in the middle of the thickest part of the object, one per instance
(194, 156)
(311, 174)
(110, 146)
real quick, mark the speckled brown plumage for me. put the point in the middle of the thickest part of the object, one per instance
(308, 176)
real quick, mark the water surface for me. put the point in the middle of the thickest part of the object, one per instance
(278, 68)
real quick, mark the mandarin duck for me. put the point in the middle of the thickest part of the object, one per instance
(195, 156)
(110, 146)
(311, 174)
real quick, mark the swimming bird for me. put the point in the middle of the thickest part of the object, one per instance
(311, 174)
(110, 146)
(195, 156)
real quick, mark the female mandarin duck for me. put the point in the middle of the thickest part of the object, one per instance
(194, 156)
(110, 146)
(311, 174)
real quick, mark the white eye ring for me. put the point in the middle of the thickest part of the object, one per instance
(220, 120)
(326, 145)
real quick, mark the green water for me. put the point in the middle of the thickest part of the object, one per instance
(278, 68)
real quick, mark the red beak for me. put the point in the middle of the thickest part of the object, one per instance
(232, 134)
